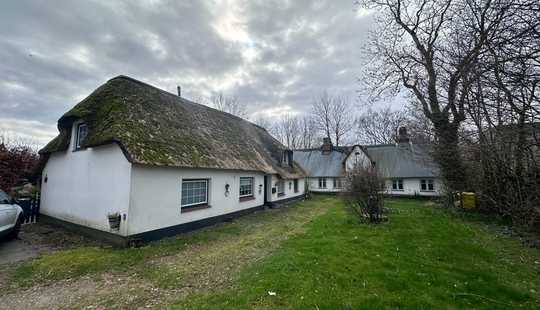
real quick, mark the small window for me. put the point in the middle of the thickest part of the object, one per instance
(427, 185)
(290, 185)
(194, 192)
(82, 132)
(337, 183)
(280, 188)
(322, 182)
(397, 184)
(246, 186)
(296, 185)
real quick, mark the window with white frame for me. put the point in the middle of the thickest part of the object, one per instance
(82, 132)
(322, 182)
(194, 192)
(296, 185)
(397, 184)
(246, 187)
(427, 185)
(280, 188)
(337, 183)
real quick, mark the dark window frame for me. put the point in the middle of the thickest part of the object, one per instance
(296, 190)
(78, 139)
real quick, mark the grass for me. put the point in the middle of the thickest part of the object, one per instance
(422, 258)
(317, 255)
(248, 232)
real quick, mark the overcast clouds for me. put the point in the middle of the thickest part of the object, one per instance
(273, 55)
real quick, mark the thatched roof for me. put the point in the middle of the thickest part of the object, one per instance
(154, 127)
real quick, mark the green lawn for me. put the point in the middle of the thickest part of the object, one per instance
(422, 258)
(313, 255)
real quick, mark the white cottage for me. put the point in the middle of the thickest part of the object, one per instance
(326, 167)
(133, 162)
(407, 168)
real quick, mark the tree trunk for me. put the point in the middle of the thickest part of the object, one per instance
(448, 156)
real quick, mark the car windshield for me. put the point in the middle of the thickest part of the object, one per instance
(4, 198)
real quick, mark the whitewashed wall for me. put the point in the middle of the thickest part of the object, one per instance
(353, 159)
(289, 192)
(156, 196)
(314, 185)
(411, 187)
(84, 186)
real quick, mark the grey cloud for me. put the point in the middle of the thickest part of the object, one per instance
(56, 52)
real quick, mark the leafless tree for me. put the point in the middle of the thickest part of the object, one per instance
(308, 132)
(379, 126)
(333, 116)
(430, 47)
(229, 104)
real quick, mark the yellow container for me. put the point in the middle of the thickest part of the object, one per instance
(468, 200)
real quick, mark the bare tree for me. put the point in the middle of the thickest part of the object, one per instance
(308, 132)
(379, 126)
(333, 116)
(429, 47)
(229, 104)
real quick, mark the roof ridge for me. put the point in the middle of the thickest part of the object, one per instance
(125, 77)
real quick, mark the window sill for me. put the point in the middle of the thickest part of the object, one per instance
(194, 208)
(280, 194)
(398, 190)
(427, 190)
(246, 198)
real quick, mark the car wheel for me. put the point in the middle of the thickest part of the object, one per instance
(15, 232)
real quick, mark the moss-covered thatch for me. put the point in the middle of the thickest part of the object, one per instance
(154, 127)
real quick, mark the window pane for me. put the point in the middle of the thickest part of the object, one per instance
(246, 186)
(194, 192)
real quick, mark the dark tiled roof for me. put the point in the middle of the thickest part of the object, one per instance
(407, 161)
(154, 127)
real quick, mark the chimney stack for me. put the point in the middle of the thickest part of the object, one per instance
(403, 136)
(327, 146)
(179, 89)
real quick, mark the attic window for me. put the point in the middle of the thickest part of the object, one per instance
(82, 132)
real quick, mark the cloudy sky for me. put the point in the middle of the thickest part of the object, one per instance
(276, 56)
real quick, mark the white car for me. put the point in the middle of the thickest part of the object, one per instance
(11, 216)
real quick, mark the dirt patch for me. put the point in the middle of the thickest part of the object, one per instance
(206, 265)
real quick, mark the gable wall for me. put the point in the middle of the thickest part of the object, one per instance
(83, 186)
(353, 160)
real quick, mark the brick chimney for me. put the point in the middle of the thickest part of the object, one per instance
(403, 137)
(327, 146)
